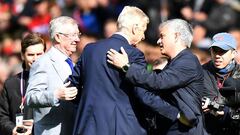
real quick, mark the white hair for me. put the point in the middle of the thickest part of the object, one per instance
(131, 15)
(57, 24)
(182, 27)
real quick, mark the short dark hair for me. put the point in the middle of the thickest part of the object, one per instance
(32, 39)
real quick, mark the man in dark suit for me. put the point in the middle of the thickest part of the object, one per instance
(12, 98)
(105, 106)
(180, 82)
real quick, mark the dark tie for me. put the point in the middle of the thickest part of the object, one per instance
(70, 63)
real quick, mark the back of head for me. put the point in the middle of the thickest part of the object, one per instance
(31, 39)
(57, 24)
(131, 15)
(183, 28)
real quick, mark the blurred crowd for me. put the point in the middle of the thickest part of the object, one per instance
(97, 19)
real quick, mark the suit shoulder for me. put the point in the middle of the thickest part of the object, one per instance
(12, 79)
(90, 45)
(207, 66)
(11, 82)
(41, 63)
(190, 57)
(44, 59)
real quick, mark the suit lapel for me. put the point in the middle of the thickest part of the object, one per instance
(57, 63)
(58, 67)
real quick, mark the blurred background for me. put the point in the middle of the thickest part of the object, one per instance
(97, 20)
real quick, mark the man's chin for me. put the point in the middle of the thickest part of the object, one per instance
(73, 50)
(218, 66)
(163, 53)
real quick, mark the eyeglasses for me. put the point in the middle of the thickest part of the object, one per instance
(71, 35)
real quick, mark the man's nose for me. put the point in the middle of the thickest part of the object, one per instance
(143, 37)
(159, 41)
(35, 57)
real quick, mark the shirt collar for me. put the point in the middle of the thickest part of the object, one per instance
(59, 54)
(124, 35)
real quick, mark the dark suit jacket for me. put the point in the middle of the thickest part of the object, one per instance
(181, 82)
(105, 107)
(10, 101)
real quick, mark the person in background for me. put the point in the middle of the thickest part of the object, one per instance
(110, 27)
(12, 97)
(4, 71)
(46, 93)
(235, 32)
(222, 71)
(201, 50)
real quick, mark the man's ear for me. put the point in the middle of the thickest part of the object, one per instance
(176, 36)
(57, 38)
(134, 29)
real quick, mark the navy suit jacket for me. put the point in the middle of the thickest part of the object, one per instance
(105, 105)
(181, 83)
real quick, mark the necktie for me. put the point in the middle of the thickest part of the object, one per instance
(70, 63)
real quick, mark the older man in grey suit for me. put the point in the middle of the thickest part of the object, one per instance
(46, 91)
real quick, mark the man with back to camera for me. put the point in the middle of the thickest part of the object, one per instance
(180, 82)
(106, 106)
(46, 92)
(221, 72)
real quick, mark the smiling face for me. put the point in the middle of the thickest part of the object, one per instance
(221, 58)
(68, 39)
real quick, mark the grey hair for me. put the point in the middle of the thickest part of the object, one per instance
(58, 23)
(131, 15)
(183, 28)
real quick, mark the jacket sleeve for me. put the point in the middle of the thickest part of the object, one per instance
(178, 75)
(37, 94)
(6, 125)
(156, 103)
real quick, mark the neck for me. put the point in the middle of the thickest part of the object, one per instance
(125, 35)
(226, 69)
(67, 53)
(176, 51)
(26, 69)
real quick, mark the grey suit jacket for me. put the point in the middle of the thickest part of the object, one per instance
(51, 116)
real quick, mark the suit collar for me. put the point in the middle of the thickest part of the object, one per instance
(58, 59)
(120, 36)
(56, 55)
